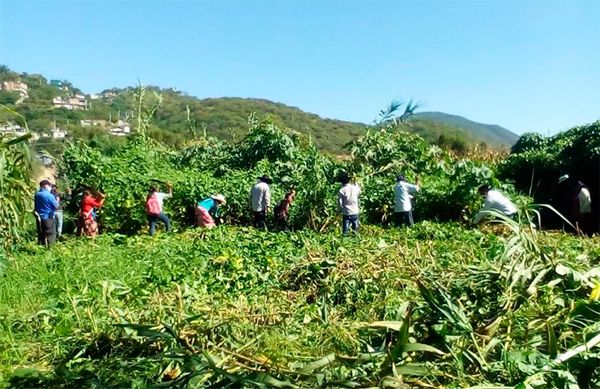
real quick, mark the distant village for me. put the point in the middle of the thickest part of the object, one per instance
(71, 102)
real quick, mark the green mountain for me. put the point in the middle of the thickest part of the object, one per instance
(224, 118)
(490, 134)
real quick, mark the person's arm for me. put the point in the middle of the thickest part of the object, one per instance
(340, 201)
(267, 199)
(169, 194)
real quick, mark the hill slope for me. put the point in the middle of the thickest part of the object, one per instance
(491, 134)
(224, 118)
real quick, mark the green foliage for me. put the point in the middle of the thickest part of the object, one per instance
(15, 187)
(437, 303)
(536, 162)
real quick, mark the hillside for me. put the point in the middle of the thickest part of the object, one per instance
(491, 134)
(225, 117)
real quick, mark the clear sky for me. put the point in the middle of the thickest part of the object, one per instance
(525, 65)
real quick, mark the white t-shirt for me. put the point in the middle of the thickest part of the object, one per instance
(496, 201)
(402, 192)
(260, 197)
(348, 199)
(585, 201)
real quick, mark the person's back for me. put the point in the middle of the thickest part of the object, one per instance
(497, 201)
(403, 204)
(260, 196)
(45, 203)
(348, 199)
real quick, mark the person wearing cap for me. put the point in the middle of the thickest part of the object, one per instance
(348, 204)
(45, 206)
(260, 201)
(208, 209)
(494, 201)
(402, 207)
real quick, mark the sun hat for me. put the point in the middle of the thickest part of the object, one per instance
(563, 178)
(218, 197)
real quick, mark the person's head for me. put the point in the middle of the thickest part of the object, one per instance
(345, 178)
(219, 198)
(266, 179)
(400, 178)
(54, 189)
(153, 189)
(290, 195)
(484, 189)
(45, 184)
(87, 192)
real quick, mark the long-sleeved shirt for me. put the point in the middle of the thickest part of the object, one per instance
(348, 199)
(402, 192)
(88, 203)
(260, 197)
(496, 201)
(45, 204)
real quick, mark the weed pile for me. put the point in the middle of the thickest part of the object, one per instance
(436, 305)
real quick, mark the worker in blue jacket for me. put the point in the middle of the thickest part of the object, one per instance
(45, 206)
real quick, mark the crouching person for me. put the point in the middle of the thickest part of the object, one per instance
(208, 210)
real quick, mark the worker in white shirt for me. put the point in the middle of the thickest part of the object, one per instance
(575, 203)
(348, 204)
(403, 194)
(260, 200)
(494, 201)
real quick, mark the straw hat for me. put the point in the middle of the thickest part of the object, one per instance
(218, 197)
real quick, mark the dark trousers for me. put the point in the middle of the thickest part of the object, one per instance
(349, 221)
(404, 219)
(260, 220)
(46, 232)
(154, 219)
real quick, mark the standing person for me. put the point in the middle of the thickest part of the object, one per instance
(58, 215)
(87, 224)
(45, 206)
(575, 203)
(154, 208)
(494, 201)
(403, 207)
(208, 209)
(260, 200)
(348, 204)
(282, 211)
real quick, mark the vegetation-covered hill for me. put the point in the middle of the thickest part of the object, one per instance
(224, 118)
(489, 133)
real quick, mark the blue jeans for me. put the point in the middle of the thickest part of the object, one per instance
(349, 221)
(58, 221)
(153, 219)
(404, 218)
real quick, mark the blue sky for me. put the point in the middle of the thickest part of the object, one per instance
(525, 65)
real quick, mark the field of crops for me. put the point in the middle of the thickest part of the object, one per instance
(436, 305)
(442, 304)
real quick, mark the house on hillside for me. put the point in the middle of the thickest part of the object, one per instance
(12, 129)
(121, 129)
(16, 86)
(57, 133)
(93, 122)
(75, 102)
